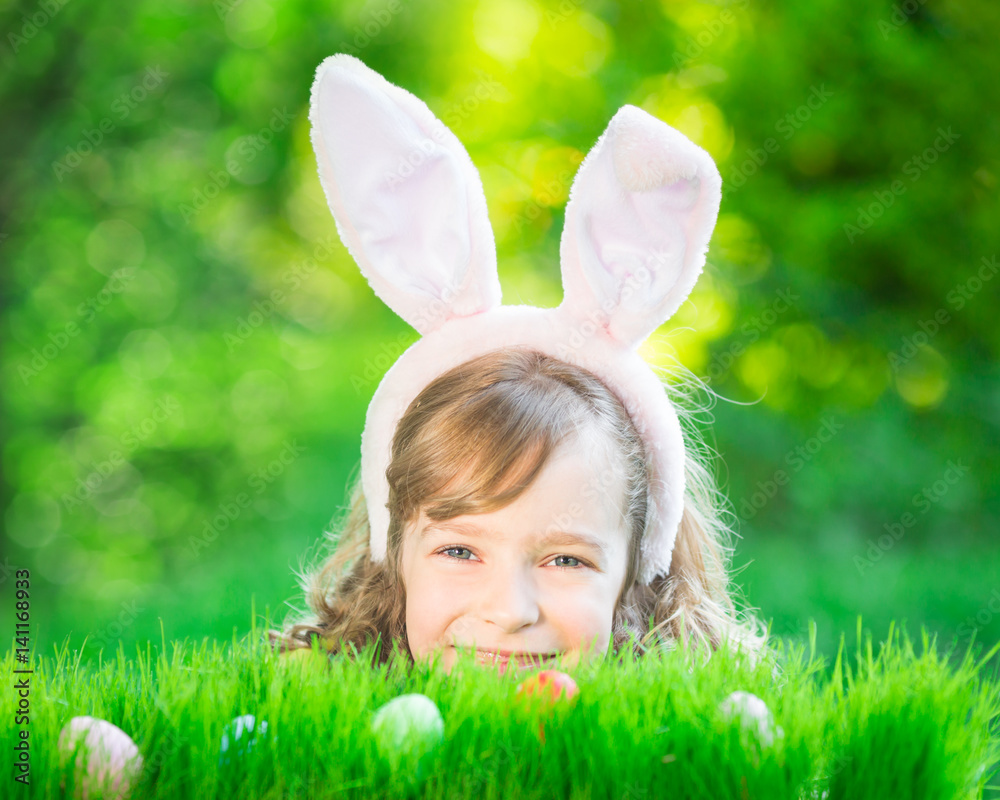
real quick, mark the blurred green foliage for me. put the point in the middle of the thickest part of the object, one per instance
(189, 350)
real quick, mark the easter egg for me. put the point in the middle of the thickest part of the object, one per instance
(239, 735)
(107, 757)
(410, 722)
(753, 713)
(549, 684)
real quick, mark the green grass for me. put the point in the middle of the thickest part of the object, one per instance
(893, 724)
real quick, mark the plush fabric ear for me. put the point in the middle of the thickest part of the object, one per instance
(640, 215)
(406, 197)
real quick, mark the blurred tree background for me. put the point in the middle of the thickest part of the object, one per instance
(189, 350)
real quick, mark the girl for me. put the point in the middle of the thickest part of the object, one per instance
(526, 487)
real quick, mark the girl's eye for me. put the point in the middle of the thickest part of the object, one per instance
(454, 549)
(580, 563)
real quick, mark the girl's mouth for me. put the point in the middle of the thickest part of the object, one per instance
(521, 660)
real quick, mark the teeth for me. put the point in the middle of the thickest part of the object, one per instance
(488, 656)
(519, 658)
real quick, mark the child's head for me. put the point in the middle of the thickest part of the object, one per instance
(516, 446)
(517, 500)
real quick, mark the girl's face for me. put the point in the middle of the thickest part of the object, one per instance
(538, 577)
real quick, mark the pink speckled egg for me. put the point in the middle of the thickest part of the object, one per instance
(107, 756)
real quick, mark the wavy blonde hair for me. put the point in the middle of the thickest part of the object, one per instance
(471, 442)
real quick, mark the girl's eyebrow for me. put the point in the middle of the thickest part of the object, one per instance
(553, 538)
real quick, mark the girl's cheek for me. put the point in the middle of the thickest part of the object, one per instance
(435, 591)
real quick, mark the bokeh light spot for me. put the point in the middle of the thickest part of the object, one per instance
(145, 354)
(922, 381)
(505, 29)
(113, 244)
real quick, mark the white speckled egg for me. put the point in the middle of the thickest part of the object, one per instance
(107, 755)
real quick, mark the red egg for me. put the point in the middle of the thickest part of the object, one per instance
(549, 686)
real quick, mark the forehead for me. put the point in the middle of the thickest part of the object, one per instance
(577, 497)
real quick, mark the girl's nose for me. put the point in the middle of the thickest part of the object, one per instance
(509, 600)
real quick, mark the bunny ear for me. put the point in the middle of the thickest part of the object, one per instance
(406, 197)
(640, 215)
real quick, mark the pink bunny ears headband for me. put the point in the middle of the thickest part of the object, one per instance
(409, 206)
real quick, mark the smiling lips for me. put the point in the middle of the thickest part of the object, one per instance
(502, 658)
